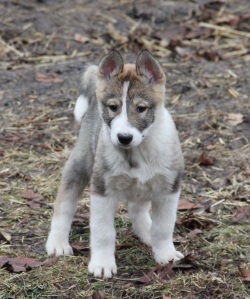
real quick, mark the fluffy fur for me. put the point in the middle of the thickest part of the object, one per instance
(128, 149)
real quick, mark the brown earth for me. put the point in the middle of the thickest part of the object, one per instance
(204, 47)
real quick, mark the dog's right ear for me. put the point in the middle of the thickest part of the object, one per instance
(111, 65)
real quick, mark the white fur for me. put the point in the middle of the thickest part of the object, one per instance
(141, 220)
(157, 232)
(102, 240)
(81, 107)
(121, 125)
(163, 221)
(155, 150)
(57, 242)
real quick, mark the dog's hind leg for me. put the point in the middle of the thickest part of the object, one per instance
(76, 176)
(141, 220)
(163, 222)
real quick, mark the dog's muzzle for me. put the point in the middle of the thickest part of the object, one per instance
(125, 139)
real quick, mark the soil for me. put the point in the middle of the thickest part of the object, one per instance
(204, 49)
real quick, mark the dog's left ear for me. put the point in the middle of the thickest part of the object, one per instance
(111, 64)
(149, 67)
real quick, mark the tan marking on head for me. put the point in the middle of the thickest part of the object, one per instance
(138, 86)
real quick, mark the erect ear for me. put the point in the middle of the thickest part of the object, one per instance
(149, 67)
(111, 64)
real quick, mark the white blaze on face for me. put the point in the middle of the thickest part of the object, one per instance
(120, 124)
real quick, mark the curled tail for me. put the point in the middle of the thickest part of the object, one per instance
(88, 92)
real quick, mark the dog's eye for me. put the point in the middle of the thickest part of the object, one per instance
(113, 107)
(141, 109)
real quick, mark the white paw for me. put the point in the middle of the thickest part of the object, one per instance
(167, 254)
(102, 267)
(57, 247)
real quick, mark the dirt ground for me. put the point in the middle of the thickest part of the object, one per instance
(204, 48)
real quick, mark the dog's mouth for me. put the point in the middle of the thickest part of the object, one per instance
(126, 147)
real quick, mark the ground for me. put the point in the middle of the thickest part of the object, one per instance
(203, 46)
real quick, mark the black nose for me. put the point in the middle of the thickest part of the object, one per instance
(125, 138)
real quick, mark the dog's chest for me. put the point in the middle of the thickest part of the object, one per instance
(129, 187)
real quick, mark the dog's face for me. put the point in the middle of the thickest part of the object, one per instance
(129, 96)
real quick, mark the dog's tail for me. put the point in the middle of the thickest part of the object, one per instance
(88, 92)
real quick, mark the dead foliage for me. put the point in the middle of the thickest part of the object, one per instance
(241, 215)
(158, 274)
(245, 273)
(23, 264)
(206, 160)
(203, 47)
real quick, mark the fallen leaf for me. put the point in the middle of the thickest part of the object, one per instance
(188, 263)
(206, 160)
(5, 235)
(159, 273)
(99, 294)
(245, 273)
(23, 264)
(33, 199)
(187, 205)
(4, 51)
(192, 221)
(241, 215)
(48, 78)
(194, 232)
(165, 297)
(29, 194)
(78, 246)
(234, 119)
(80, 38)
(232, 20)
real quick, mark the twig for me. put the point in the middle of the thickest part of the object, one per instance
(46, 146)
(224, 29)
(56, 57)
(11, 48)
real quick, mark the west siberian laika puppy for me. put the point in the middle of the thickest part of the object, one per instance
(128, 148)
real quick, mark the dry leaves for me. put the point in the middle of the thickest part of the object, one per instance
(80, 38)
(206, 160)
(245, 273)
(234, 119)
(158, 274)
(48, 78)
(33, 199)
(194, 232)
(6, 236)
(187, 205)
(80, 246)
(187, 264)
(23, 264)
(99, 294)
(241, 215)
(192, 222)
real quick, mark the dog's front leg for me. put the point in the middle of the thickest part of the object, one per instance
(163, 222)
(102, 236)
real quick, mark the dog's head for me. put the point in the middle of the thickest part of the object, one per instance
(129, 96)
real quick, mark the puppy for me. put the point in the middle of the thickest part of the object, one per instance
(128, 149)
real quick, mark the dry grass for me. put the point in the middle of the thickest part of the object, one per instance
(38, 131)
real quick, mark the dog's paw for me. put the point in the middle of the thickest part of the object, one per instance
(167, 254)
(102, 267)
(57, 247)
